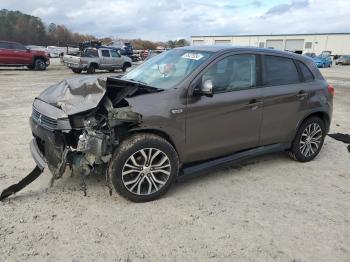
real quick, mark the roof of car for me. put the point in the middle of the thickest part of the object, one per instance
(220, 48)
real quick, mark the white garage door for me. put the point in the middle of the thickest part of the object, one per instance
(198, 42)
(222, 42)
(275, 44)
(294, 45)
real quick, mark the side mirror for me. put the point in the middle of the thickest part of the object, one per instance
(207, 88)
(28, 50)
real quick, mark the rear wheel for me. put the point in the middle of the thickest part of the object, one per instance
(91, 69)
(39, 64)
(126, 66)
(143, 167)
(77, 71)
(309, 140)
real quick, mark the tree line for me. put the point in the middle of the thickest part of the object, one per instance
(31, 30)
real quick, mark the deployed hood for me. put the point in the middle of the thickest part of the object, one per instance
(82, 94)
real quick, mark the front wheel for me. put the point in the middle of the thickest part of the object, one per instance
(125, 67)
(39, 64)
(309, 140)
(143, 167)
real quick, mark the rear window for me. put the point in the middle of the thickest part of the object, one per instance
(308, 76)
(105, 53)
(280, 71)
(5, 45)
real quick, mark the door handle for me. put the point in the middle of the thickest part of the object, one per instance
(254, 104)
(302, 94)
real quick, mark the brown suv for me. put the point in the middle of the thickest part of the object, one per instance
(182, 112)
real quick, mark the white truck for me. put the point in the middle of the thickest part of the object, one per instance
(100, 58)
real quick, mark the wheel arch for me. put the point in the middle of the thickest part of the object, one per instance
(38, 57)
(321, 114)
(158, 132)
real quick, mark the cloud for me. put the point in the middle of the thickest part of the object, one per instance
(44, 12)
(164, 19)
(284, 8)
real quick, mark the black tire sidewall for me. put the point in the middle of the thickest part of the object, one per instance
(91, 69)
(122, 154)
(37, 64)
(296, 143)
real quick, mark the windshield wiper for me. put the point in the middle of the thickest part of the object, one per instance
(137, 81)
(144, 85)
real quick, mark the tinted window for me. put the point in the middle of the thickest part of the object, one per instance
(308, 76)
(105, 53)
(18, 46)
(232, 73)
(280, 71)
(5, 45)
(114, 53)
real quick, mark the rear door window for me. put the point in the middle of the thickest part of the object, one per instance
(279, 71)
(105, 53)
(308, 76)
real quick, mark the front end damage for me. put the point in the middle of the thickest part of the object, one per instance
(78, 124)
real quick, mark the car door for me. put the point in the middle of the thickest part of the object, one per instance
(230, 120)
(105, 58)
(117, 60)
(6, 53)
(285, 97)
(21, 55)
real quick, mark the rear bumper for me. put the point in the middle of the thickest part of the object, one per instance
(75, 65)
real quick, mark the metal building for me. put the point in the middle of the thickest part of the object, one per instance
(336, 43)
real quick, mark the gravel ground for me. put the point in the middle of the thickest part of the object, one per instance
(265, 209)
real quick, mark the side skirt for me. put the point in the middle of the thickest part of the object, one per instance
(205, 167)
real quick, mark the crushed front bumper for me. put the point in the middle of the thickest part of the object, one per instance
(37, 155)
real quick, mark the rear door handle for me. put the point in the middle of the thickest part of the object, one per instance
(254, 104)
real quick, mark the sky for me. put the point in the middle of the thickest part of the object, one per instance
(174, 19)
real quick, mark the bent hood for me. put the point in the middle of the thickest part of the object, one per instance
(78, 95)
(75, 95)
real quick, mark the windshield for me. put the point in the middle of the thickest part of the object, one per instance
(167, 69)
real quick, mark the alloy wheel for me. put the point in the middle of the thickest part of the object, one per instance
(310, 140)
(146, 171)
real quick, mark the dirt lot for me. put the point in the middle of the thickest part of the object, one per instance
(265, 209)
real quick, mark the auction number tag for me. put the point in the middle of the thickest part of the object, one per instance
(192, 56)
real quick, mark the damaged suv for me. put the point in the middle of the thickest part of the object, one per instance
(182, 112)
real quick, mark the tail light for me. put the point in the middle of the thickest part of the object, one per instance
(331, 90)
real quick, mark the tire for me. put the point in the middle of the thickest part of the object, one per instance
(39, 64)
(147, 186)
(77, 71)
(91, 69)
(125, 67)
(301, 150)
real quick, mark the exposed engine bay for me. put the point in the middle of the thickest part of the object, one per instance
(79, 122)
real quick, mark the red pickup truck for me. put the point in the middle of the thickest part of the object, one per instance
(16, 54)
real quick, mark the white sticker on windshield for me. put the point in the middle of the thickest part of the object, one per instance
(192, 56)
